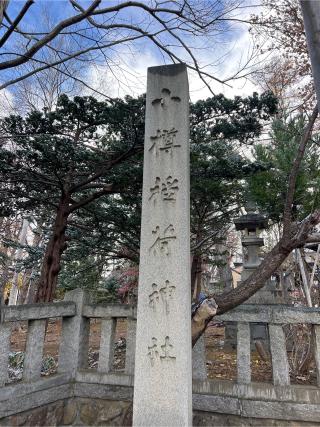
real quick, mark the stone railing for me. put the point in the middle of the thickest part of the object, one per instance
(279, 400)
(212, 399)
(275, 317)
(72, 379)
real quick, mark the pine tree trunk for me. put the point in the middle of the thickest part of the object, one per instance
(52, 259)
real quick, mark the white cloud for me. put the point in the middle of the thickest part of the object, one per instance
(127, 69)
(6, 103)
(125, 75)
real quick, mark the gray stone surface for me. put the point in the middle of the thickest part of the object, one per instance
(103, 391)
(17, 313)
(280, 365)
(259, 404)
(201, 418)
(106, 351)
(316, 332)
(34, 400)
(13, 391)
(91, 376)
(73, 353)
(199, 367)
(5, 333)
(131, 345)
(34, 349)
(82, 411)
(258, 391)
(277, 314)
(256, 408)
(110, 310)
(216, 403)
(163, 377)
(243, 353)
(283, 410)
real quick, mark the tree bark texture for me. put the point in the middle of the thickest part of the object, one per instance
(52, 259)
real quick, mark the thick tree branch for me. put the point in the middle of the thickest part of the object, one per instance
(49, 37)
(108, 189)
(270, 263)
(15, 23)
(287, 214)
(66, 59)
(313, 238)
(130, 152)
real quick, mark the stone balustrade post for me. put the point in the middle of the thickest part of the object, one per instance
(199, 367)
(106, 352)
(131, 345)
(73, 354)
(280, 365)
(316, 347)
(34, 349)
(243, 353)
(5, 334)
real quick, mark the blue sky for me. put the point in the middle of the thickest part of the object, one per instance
(124, 70)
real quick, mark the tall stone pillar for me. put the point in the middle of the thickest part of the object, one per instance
(163, 366)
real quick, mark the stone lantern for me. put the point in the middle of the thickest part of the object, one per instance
(250, 225)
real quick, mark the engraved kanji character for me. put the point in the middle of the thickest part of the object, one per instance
(166, 293)
(156, 189)
(168, 139)
(166, 350)
(165, 100)
(153, 351)
(154, 296)
(161, 245)
(164, 140)
(169, 189)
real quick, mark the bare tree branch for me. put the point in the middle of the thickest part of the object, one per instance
(15, 23)
(50, 36)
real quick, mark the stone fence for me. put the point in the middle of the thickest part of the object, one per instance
(81, 396)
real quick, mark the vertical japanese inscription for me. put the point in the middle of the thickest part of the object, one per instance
(165, 190)
(164, 327)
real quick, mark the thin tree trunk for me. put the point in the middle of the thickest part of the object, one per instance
(14, 288)
(52, 259)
